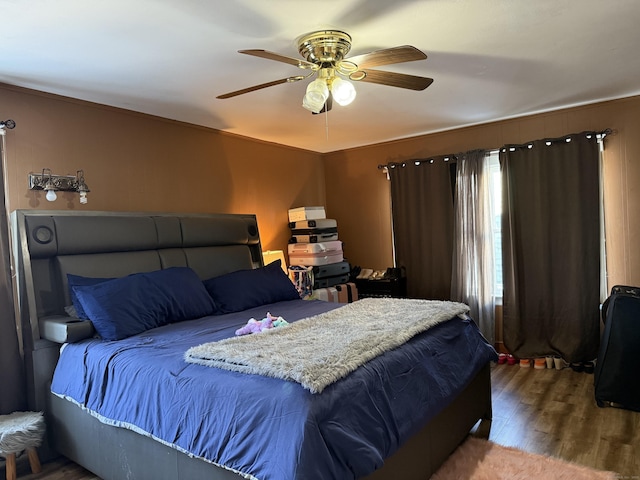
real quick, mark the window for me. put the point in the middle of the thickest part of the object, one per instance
(495, 187)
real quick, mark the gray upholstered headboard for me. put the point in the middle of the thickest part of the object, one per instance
(50, 244)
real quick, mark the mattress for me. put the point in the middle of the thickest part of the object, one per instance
(262, 427)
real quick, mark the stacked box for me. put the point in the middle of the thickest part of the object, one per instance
(315, 254)
(314, 244)
(314, 231)
(306, 213)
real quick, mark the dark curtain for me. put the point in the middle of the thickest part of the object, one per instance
(551, 242)
(12, 390)
(422, 209)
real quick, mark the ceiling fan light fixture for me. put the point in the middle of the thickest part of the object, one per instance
(342, 91)
(316, 96)
(325, 53)
(324, 46)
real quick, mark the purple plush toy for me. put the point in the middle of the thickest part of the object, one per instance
(257, 326)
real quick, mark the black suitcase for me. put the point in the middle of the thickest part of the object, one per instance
(616, 378)
(331, 274)
(331, 270)
(332, 281)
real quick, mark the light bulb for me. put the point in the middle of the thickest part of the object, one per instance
(312, 104)
(316, 96)
(343, 91)
(51, 195)
(83, 197)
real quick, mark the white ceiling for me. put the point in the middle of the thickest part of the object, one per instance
(490, 60)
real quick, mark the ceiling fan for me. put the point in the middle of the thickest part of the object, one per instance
(324, 52)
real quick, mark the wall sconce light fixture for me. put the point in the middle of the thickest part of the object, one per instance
(64, 183)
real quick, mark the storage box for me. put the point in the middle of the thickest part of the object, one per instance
(306, 213)
(309, 254)
(311, 248)
(347, 292)
(314, 237)
(315, 223)
(383, 287)
(328, 294)
(311, 259)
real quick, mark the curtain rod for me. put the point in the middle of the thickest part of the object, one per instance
(563, 138)
(602, 133)
(446, 158)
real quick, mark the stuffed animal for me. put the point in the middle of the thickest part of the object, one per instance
(253, 326)
(280, 322)
(257, 326)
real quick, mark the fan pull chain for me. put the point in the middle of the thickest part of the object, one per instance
(326, 124)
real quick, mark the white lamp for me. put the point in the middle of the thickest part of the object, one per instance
(270, 256)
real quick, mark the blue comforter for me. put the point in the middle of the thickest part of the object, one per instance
(263, 427)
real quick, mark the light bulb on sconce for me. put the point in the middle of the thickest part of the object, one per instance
(51, 195)
(81, 187)
(49, 186)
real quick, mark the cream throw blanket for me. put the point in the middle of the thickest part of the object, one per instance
(319, 350)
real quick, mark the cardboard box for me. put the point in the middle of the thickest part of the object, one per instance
(306, 213)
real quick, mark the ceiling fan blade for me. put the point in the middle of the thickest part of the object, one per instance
(261, 86)
(388, 56)
(279, 58)
(401, 80)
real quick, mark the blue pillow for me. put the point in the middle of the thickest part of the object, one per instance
(243, 289)
(130, 305)
(77, 280)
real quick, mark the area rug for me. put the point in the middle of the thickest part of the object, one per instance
(478, 459)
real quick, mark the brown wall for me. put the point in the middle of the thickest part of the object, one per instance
(358, 193)
(135, 162)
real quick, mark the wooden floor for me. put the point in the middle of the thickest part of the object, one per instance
(543, 411)
(554, 413)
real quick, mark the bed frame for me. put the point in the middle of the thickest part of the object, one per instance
(50, 244)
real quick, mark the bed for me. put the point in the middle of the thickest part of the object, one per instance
(399, 415)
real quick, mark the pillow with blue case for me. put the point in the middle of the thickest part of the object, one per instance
(126, 306)
(77, 280)
(243, 289)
